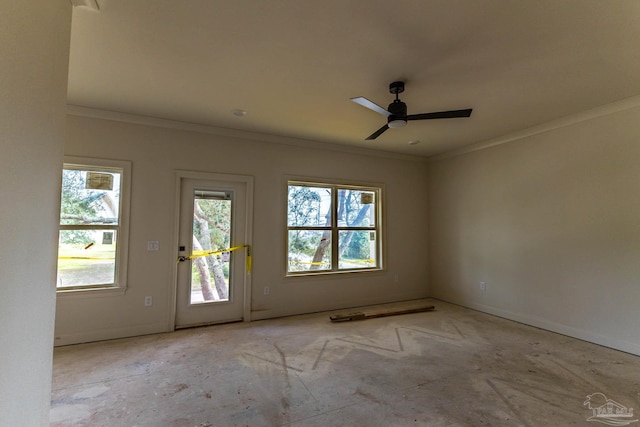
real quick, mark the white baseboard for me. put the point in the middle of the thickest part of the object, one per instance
(581, 334)
(317, 308)
(110, 334)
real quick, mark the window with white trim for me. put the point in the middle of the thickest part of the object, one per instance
(333, 228)
(92, 245)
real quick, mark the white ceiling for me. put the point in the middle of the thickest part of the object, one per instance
(292, 65)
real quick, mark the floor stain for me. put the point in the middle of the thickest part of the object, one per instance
(178, 388)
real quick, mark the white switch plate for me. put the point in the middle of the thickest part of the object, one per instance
(483, 286)
(153, 245)
(148, 301)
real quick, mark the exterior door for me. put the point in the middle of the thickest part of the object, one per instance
(213, 250)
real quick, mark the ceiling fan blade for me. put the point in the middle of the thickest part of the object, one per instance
(370, 105)
(453, 114)
(377, 133)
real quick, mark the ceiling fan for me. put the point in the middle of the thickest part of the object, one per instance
(396, 113)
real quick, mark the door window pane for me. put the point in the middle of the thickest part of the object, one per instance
(211, 234)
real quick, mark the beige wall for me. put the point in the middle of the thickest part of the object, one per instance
(34, 46)
(157, 152)
(551, 223)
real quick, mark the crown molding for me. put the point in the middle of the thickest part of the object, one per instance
(80, 111)
(604, 110)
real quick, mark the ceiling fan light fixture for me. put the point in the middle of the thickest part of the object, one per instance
(397, 123)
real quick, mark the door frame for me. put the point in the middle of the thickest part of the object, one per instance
(247, 180)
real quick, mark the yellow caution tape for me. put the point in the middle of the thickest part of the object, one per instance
(361, 261)
(309, 263)
(198, 254)
(354, 261)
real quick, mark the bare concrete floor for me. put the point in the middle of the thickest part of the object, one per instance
(450, 367)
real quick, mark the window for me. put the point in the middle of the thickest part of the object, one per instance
(92, 244)
(332, 228)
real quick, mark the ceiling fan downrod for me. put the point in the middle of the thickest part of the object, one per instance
(398, 109)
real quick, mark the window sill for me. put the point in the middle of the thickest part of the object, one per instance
(90, 292)
(368, 271)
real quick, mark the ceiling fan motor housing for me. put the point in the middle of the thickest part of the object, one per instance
(398, 116)
(397, 108)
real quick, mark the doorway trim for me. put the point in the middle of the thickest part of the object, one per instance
(247, 180)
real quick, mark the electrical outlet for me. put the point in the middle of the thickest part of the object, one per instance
(483, 286)
(396, 278)
(266, 290)
(148, 301)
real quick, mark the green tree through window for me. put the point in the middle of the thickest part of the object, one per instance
(332, 228)
(90, 252)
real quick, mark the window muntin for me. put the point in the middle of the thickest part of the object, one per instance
(332, 228)
(91, 250)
